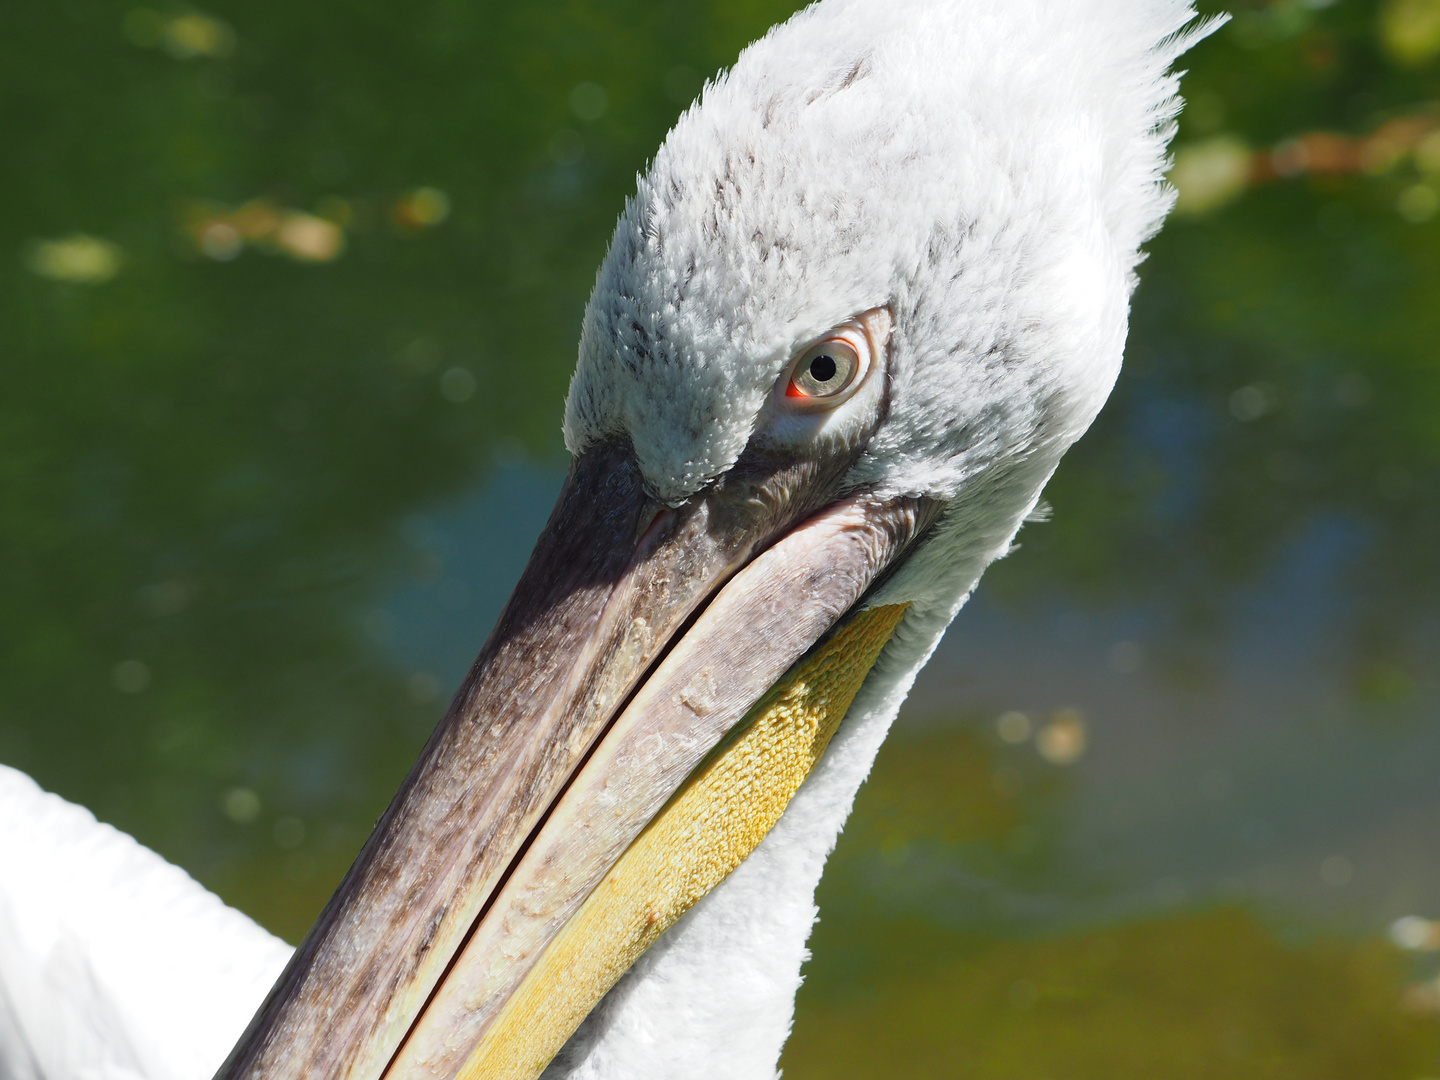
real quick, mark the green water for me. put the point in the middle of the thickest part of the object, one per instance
(287, 316)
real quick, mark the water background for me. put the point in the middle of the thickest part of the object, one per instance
(288, 312)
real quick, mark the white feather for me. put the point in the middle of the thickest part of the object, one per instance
(114, 964)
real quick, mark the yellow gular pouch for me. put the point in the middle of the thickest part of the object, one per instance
(717, 819)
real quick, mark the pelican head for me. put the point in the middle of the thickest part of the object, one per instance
(872, 287)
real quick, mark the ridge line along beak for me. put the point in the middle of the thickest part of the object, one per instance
(582, 755)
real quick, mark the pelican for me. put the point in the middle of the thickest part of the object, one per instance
(873, 285)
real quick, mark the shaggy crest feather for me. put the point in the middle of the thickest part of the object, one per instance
(987, 169)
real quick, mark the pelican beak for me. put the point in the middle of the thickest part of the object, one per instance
(660, 682)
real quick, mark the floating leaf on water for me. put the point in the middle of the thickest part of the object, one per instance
(80, 259)
(423, 208)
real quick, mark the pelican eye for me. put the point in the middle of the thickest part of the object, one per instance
(825, 371)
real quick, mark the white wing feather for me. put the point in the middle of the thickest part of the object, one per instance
(114, 964)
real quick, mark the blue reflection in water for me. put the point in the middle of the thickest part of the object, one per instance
(469, 555)
(1264, 781)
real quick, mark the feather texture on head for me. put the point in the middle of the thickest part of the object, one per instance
(987, 169)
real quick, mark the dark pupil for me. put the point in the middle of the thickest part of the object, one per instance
(822, 368)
